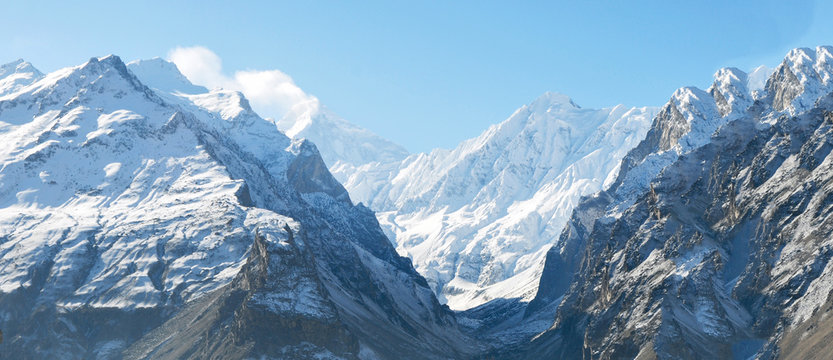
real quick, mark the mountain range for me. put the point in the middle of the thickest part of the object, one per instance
(143, 216)
(141, 221)
(713, 240)
(477, 220)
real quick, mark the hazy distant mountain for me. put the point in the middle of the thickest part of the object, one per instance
(338, 140)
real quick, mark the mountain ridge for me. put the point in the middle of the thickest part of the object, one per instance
(138, 220)
(707, 257)
(123, 206)
(475, 217)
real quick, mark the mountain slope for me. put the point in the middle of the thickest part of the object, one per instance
(338, 140)
(714, 242)
(125, 208)
(478, 219)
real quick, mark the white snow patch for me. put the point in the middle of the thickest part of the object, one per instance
(112, 169)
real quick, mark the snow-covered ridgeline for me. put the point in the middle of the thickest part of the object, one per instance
(714, 242)
(125, 200)
(478, 219)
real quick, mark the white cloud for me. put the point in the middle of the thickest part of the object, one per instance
(200, 65)
(270, 92)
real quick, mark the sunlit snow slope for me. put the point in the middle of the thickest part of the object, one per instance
(478, 219)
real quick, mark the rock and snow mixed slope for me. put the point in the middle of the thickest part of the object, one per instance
(715, 239)
(478, 219)
(144, 217)
(163, 221)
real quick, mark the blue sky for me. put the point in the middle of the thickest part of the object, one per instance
(430, 74)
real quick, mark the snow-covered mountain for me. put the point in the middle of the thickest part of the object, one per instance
(715, 239)
(143, 217)
(301, 115)
(15, 75)
(164, 76)
(477, 220)
(338, 141)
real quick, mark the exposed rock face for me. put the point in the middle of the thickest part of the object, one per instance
(241, 320)
(714, 247)
(146, 223)
(784, 87)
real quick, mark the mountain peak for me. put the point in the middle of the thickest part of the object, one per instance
(164, 75)
(18, 66)
(730, 75)
(730, 90)
(800, 55)
(802, 77)
(111, 59)
(551, 99)
(497, 199)
(16, 75)
(337, 139)
(824, 53)
(808, 64)
(104, 63)
(11, 65)
(688, 96)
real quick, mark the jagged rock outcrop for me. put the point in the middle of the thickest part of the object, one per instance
(712, 247)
